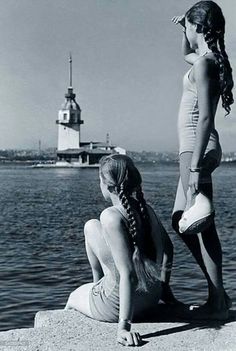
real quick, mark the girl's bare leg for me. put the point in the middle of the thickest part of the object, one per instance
(93, 243)
(206, 249)
(79, 298)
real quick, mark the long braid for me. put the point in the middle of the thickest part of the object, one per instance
(149, 245)
(225, 70)
(122, 178)
(208, 17)
(147, 271)
(130, 214)
(228, 79)
(211, 40)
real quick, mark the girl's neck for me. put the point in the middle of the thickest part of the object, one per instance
(115, 199)
(120, 207)
(202, 46)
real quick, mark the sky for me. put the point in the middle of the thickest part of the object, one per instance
(127, 71)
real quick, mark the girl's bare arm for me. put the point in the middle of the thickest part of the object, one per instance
(164, 249)
(116, 236)
(189, 54)
(163, 244)
(207, 90)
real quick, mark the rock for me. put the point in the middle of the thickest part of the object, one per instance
(69, 330)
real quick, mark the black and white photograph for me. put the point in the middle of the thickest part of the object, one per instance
(117, 175)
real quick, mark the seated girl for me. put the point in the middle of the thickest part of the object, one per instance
(129, 251)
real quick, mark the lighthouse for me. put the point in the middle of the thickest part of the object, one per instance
(71, 151)
(69, 119)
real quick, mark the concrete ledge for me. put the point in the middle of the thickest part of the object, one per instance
(61, 330)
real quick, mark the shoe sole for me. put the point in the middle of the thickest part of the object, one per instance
(200, 225)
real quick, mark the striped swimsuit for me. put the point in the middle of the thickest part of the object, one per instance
(188, 119)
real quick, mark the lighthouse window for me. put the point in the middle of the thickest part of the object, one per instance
(65, 116)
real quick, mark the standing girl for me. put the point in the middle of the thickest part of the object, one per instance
(129, 251)
(209, 78)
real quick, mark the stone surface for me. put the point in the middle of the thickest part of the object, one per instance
(61, 330)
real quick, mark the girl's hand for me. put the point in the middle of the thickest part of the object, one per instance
(194, 182)
(128, 338)
(179, 20)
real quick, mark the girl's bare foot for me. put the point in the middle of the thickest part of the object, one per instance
(205, 312)
(225, 303)
(212, 310)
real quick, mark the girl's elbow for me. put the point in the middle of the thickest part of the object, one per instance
(205, 121)
(186, 58)
(206, 115)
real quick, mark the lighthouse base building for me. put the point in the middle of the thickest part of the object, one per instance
(88, 155)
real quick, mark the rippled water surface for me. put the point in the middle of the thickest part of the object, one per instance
(42, 254)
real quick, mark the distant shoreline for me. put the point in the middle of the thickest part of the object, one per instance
(147, 162)
(47, 156)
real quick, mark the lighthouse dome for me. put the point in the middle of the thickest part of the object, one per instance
(70, 105)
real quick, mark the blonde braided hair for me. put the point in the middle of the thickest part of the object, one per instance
(123, 178)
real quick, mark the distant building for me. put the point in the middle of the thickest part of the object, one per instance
(71, 151)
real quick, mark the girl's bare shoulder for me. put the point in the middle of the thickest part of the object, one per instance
(206, 67)
(111, 217)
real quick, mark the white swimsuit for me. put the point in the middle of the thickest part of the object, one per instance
(188, 119)
(187, 126)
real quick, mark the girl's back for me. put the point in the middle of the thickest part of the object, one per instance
(148, 238)
(153, 248)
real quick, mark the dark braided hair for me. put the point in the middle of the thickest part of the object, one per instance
(123, 178)
(208, 17)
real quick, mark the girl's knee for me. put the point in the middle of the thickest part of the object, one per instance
(91, 226)
(79, 299)
(73, 298)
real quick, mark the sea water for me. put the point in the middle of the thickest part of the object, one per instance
(42, 253)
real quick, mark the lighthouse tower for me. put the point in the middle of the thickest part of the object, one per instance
(69, 119)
